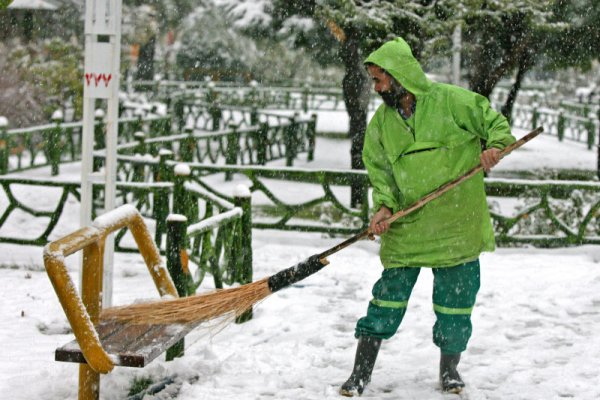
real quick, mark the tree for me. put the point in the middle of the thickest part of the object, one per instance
(579, 43)
(359, 27)
(503, 36)
(153, 21)
(39, 79)
(211, 47)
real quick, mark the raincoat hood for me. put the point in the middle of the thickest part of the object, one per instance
(397, 59)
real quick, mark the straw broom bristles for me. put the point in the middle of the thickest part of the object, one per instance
(233, 301)
(220, 303)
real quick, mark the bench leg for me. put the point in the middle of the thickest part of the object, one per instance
(89, 383)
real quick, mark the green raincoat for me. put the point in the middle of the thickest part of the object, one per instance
(407, 159)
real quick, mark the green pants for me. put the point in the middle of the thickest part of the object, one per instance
(454, 292)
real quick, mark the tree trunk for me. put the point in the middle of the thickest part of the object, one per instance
(356, 88)
(486, 76)
(524, 66)
(145, 65)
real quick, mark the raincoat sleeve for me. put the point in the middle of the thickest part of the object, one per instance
(385, 190)
(474, 113)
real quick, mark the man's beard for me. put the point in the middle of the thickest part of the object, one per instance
(393, 96)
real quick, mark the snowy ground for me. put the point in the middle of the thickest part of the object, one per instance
(535, 324)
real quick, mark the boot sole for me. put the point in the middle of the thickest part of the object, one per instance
(349, 393)
(455, 390)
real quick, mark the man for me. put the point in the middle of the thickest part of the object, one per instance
(424, 135)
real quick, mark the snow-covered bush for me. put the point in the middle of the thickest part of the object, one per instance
(210, 47)
(228, 42)
(47, 75)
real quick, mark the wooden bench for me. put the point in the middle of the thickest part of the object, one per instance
(129, 345)
(101, 345)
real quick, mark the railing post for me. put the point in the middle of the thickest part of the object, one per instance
(287, 99)
(178, 109)
(215, 114)
(182, 203)
(261, 143)
(253, 96)
(591, 131)
(53, 143)
(233, 148)
(4, 146)
(140, 137)
(188, 146)
(254, 115)
(139, 170)
(305, 95)
(177, 265)
(535, 115)
(138, 124)
(160, 127)
(312, 136)
(290, 141)
(161, 195)
(560, 125)
(165, 173)
(213, 106)
(243, 199)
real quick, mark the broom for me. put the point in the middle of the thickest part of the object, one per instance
(235, 301)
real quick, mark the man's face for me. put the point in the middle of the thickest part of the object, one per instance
(386, 86)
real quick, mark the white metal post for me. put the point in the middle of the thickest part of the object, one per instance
(101, 81)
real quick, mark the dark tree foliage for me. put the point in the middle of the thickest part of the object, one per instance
(499, 39)
(503, 37)
(359, 27)
(579, 44)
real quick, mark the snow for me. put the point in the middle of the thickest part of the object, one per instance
(242, 191)
(535, 323)
(57, 115)
(214, 222)
(209, 196)
(176, 218)
(182, 170)
(246, 12)
(115, 217)
(32, 5)
(534, 330)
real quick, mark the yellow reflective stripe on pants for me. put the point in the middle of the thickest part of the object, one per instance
(452, 311)
(389, 304)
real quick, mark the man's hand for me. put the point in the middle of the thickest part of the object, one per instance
(378, 224)
(489, 158)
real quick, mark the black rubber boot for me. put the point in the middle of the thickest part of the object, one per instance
(366, 354)
(450, 379)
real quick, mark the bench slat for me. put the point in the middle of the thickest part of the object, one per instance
(129, 345)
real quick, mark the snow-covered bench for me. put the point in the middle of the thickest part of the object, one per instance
(129, 345)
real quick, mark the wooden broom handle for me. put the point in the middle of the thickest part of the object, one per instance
(431, 196)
